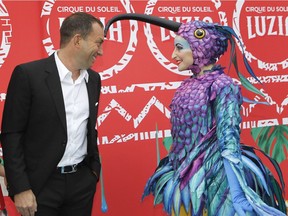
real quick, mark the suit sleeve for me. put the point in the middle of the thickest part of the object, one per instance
(97, 155)
(14, 122)
(93, 155)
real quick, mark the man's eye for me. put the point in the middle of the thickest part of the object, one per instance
(99, 42)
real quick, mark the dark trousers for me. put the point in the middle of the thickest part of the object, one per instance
(68, 194)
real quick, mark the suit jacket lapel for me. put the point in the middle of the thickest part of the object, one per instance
(54, 85)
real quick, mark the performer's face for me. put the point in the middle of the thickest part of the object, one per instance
(182, 53)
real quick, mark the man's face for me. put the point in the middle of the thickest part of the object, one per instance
(91, 46)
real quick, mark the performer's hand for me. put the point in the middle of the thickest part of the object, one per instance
(25, 203)
(240, 202)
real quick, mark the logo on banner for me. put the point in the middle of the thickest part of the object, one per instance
(265, 22)
(6, 29)
(262, 28)
(54, 12)
(209, 12)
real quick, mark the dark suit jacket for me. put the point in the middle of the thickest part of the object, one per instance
(34, 131)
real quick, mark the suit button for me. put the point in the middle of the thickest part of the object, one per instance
(64, 143)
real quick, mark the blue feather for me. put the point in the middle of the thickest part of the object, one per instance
(246, 100)
(160, 185)
(185, 197)
(264, 210)
(159, 172)
(177, 200)
(167, 195)
(248, 67)
(256, 158)
(256, 170)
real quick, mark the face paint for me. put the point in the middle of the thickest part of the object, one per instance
(182, 53)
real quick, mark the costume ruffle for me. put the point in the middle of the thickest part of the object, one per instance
(205, 118)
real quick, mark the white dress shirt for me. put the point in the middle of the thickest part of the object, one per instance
(77, 112)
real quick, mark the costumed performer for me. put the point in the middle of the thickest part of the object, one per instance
(207, 169)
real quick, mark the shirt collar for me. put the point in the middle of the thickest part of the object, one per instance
(63, 70)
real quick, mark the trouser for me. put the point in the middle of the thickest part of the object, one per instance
(69, 194)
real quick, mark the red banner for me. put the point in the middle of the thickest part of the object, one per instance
(139, 79)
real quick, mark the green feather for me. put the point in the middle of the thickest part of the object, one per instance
(167, 141)
(244, 81)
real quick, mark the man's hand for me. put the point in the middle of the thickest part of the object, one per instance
(25, 203)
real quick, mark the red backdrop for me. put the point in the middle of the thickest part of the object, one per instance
(139, 80)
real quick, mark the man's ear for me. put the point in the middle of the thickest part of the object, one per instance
(76, 40)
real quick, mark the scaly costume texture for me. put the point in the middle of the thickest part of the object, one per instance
(205, 129)
(206, 160)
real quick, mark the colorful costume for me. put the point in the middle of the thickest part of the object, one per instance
(205, 129)
(207, 168)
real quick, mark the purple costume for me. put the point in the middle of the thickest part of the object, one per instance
(207, 167)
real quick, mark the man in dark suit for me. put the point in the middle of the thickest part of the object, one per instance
(49, 138)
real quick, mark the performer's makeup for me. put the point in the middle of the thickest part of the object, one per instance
(182, 53)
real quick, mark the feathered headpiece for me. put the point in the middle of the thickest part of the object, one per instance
(208, 41)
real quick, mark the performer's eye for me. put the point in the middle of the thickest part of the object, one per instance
(179, 46)
(199, 33)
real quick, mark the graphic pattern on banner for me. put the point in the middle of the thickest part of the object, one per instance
(139, 79)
